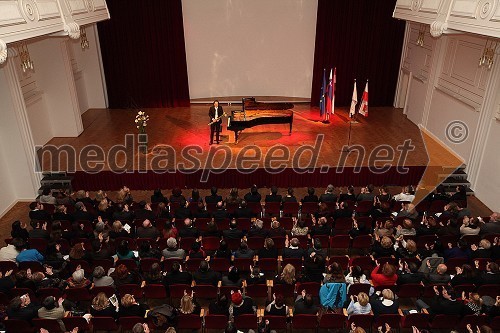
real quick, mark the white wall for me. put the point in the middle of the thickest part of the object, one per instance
(249, 47)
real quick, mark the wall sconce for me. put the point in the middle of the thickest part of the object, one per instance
(421, 35)
(24, 56)
(84, 42)
(488, 54)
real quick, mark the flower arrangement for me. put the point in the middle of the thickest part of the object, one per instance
(141, 120)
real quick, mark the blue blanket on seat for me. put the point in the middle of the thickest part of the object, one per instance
(333, 295)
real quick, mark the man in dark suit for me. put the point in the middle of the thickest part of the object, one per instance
(233, 232)
(205, 275)
(213, 198)
(253, 195)
(292, 251)
(81, 213)
(177, 276)
(243, 210)
(220, 212)
(329, 195)
(274, 196)
(144, 212)
(408, 273)
(37, 212)
(189, 229)
(121, 213)
(39, 230)
(215, 112)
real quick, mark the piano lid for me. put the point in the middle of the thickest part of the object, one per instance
(249, 115)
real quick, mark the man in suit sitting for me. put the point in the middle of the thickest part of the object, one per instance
(274, 196)
(293, 250)
(233, 232)
(213, 198)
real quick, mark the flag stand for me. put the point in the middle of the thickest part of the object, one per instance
(347, 148)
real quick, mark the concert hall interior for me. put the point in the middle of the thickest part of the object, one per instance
(98, 95)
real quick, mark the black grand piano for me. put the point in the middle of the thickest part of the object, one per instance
(259, 113)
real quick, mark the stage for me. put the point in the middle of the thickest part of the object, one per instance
(387, 148)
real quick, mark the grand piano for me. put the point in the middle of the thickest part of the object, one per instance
(255, 113)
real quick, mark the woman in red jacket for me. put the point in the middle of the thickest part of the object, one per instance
(385, 276)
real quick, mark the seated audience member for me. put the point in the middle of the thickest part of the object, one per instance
(384, 229)
(473, 304)
(304, 304)
(366, 193)
(196, 251)
(172, 251)
(450, 228)
(223, 251)
(407, 194)
(438, 275)
(122, 275)
(273, 196)
(205, 275)
(244, 251)
(162, 211)
(124, 196)
(384, 276)
(329, 195)
(100, 279)
(334, 274)
(359, 304)
(382, 247)
(481, 251)
(52, 309)
(243, 211)
(144, 212)
(276, 229)
(147, 251)
(176, 196)
(189, 305)
(201, 211)
(123, 251)
(212, 230)
(147, 230)
(39, 230)
(169, 230)
(240, 305)
(21, 308)
(233, 232)
(177, 276)
(189, 230)
(257, 229)
(408, 273)
(429, 226)
(131, 308)
(444, 302)
(158, 197)
(117, 231)
(104, 211)
(253, 195)
(492, 226)
(277, 307)
(461, 250)
(408, 249)
(38, 213)
(213, 198)
(317, 248)
(12, 250)
(19, 231)
(78, 252)
(64, 198)
(321, 227)
(358, 229)
(289, 197)
(219, 306)
(384, 195)
(292, 250)
(465, 275)
(384, 303)
(81, 213)
(299, 227)
(323, 211)
(349, 195)
(102, 307)
(314, 267)
(101, 250)
(356, 275)
(343, 210)
(6, 282)
(287, 276)
(406, 229)
(269, 250)
(492, 274)
(233, 198)
(155, 275)
(220, 213)
(460, 194)
(183, 211)
(255, 277)
(470, 226)
(311, 196)
(233, 278)
(408, 210)
(29, 255)
(78, 279)
(23, 279)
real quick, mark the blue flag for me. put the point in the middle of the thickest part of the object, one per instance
(322, 96)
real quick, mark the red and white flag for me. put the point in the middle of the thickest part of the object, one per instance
(334, 83)
(363, 108)
(354, 101)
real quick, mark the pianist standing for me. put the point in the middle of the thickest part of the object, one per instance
(214, 113)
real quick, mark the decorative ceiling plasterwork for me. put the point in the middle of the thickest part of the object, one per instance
(25, 19)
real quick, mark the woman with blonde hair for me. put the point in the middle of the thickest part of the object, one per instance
(382, 247)
(189, 304)
(287, 275)
(117, 230)
(408, 249)
(384, 228)
(131, 308)
(102, 307)
(361, 306)
(384, 303)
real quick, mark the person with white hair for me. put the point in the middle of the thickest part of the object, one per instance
(172, 251)
(147, 230)
(257, 229)
(78, 279)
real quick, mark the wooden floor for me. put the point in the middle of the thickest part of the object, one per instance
(181, 127)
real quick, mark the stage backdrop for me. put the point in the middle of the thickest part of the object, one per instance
(363, 41)
(143, 54)
(249, 47)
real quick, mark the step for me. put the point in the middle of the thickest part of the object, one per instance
(56, 187)
(452, 181)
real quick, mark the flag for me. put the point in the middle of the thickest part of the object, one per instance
(333, 89)
(322, 95)
(328, 95)
(354, 101)
(363, 108)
